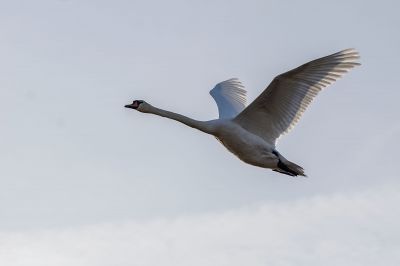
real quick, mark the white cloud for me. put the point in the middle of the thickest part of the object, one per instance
(353, 229)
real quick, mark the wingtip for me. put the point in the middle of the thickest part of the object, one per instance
(349, 52)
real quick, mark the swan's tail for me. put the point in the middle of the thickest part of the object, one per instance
(287, 167)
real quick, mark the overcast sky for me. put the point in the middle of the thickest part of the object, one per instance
(84, 181)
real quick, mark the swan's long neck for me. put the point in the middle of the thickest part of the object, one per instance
(204, 126)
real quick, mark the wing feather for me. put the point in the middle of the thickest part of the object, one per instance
(230, 97)
(280, 106)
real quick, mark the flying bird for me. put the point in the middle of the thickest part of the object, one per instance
(251, 132)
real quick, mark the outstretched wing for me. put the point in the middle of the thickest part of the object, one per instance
(282, 103)
(230, 97)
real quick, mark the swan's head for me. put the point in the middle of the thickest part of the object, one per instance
(138, 105)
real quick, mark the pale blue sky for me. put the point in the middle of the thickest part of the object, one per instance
(71, 155)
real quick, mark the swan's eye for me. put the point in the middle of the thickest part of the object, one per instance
(134, 105)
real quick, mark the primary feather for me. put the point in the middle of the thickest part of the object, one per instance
(282, 103)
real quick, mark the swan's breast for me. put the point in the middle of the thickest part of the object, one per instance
(245, 145)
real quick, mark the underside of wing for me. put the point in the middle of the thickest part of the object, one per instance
(230, 97)
(282, 103)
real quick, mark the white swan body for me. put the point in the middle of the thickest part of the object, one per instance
(245, 145)
(251, 132)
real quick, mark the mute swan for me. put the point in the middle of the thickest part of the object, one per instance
(251, 132)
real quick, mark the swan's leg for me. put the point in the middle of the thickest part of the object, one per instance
(286, 167)
(283, 172)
